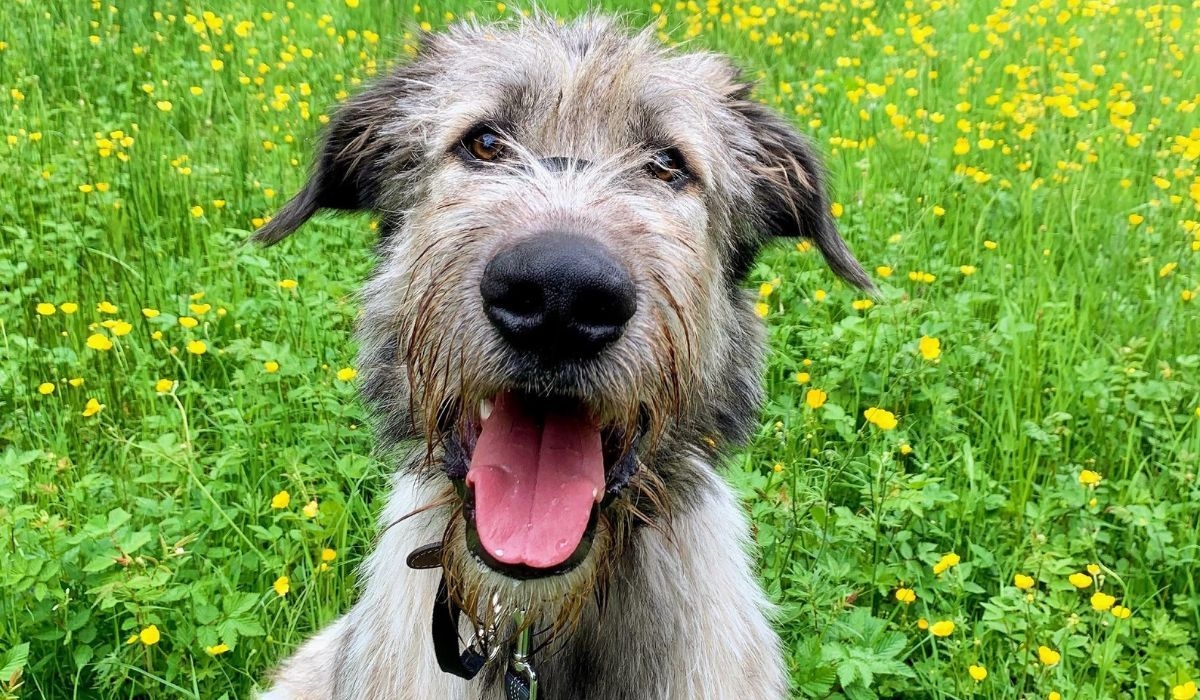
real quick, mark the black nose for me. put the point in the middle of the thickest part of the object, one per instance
(558, 295)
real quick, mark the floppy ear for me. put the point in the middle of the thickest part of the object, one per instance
(789, 191)
(351, 163)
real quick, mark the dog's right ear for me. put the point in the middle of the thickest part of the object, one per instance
(352, 161)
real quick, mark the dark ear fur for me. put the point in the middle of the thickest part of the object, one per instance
(790, 196)
(352, 161)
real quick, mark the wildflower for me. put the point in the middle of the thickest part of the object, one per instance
(819, 295)
(196, 211)
(815, 398)
(106, 307)
(346, 374)
(1080, 580)
(837, 210)
(45, 309)
(1054, 695)
(905, 449)
(287, 284)
(149, 636)
(1102, 601)
(777, 467)
(947, 562)
(92, 408)
(991, 245)
(922, 624)
(352, 4)
(309, 509)
(942, 628)
(281, 500)
(1121, 612)
(328, 555)
(217, 649)
(883, 271)
(199, 309)
(164, 386)
(75, 382)
(98, 341)
(761, 309)
(906, 595)
(862, 304)
(46, 388)
(188, 322)
(1093, 569)
(281, 586)
(880, 418)
(68, 307)
(930, 348)
(1023, 582)
(164, 105)
(978, 673)
(271, 366)
(1187, 691)
(197, 347)
(120, 328)
(150, 313)
(1048, 656)
(1087, 477)
(803, 377)
(967, 270)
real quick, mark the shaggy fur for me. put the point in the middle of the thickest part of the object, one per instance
(666, 604)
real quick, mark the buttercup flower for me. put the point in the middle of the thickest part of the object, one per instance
(281, 500)
(884, 420)
(1102, 601)
(92, 408)
(978, 673)
(1048, 656)
(1023, 582)
(46, 388)
(98, 341)
(217, 649)
(149, 636)
(906, 595)
(1080, 580)
(947, 562)
(942, 628)
(815, 398)
(346, 374)
(282, 585)
(930, 348)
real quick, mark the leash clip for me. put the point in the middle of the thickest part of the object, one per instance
(521, 681)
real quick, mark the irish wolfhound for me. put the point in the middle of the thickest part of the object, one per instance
(568, 213)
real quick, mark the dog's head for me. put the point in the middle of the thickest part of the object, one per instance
(568, 213)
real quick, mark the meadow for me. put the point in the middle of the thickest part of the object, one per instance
(981, 483)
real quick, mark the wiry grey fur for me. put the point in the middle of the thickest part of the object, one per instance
(666, 605)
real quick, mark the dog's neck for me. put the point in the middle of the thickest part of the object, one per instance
(680, 608)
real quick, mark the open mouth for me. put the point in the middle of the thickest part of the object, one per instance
(534, 474)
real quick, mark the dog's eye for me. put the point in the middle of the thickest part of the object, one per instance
(667, 165)
(483, 145)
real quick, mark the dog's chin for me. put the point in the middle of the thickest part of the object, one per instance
(537, 476)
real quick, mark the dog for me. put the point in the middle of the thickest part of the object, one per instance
(558, 348)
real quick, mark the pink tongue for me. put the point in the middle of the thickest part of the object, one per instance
(535, 479)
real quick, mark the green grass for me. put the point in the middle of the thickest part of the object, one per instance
(1074, 345)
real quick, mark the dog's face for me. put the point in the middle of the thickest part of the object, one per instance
(567, 215)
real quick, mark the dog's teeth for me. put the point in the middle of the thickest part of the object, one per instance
(485, 409)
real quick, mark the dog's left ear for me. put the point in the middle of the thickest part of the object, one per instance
(351, 163)
(789, 190)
